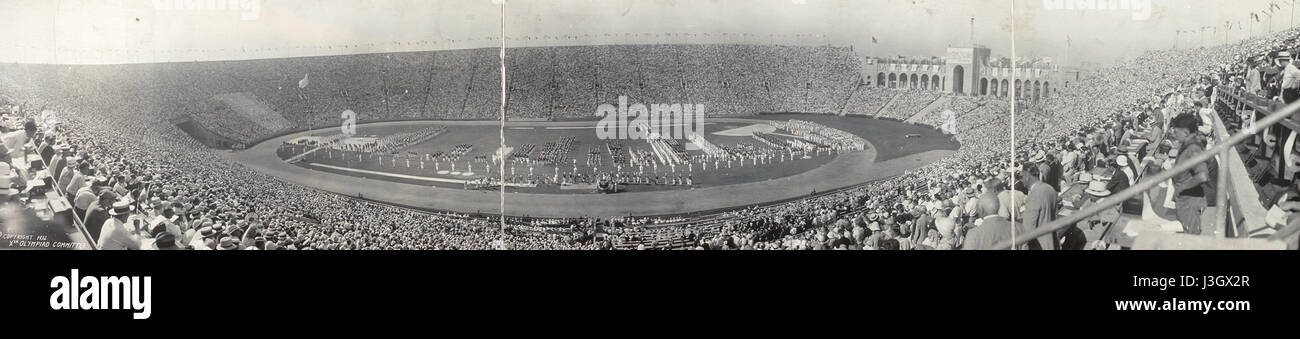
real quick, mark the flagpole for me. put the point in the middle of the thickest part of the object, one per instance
(302, 87)
(503, 120)
(972, 31)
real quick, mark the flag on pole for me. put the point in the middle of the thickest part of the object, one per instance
(1067, 40)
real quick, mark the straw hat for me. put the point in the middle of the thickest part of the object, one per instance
(1038, 156)
(120, 207)
(1098, 189)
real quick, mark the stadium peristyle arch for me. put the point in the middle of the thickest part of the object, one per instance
(967, 71)
(958, 74)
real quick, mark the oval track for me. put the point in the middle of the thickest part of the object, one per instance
(844, 170)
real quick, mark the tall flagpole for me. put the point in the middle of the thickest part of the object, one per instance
(503, 123)
(1067, 49)
(1011, 182)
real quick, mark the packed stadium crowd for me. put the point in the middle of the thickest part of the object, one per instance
(147, 186)
(907, 103)
(1112, 121)
(545, 82)
(140, 184)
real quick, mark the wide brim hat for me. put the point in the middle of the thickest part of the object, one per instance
(228, 243)
(1098, 189)
(121, 207)
(1038, 156)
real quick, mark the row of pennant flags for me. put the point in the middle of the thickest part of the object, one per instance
(1272, 7)
(1229, 24)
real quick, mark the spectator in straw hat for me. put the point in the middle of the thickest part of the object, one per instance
(1123, 177)
(114, 235)
(203, 239)
(98, 212)
(1038, 157)
(227, 244)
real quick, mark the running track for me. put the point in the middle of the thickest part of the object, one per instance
(845, 170)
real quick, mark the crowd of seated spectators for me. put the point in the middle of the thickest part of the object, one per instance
(222, 205)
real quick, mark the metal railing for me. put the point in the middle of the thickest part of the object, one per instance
(1223, 149)
(1248, 212)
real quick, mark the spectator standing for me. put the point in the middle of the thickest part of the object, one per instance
(1189, 197)
(1041, 206)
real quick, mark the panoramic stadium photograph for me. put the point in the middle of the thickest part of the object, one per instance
(649, 125)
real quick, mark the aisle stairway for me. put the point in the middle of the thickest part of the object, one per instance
(881, 110)
(940, 102)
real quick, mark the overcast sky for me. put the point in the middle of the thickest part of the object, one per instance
(118, 31)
